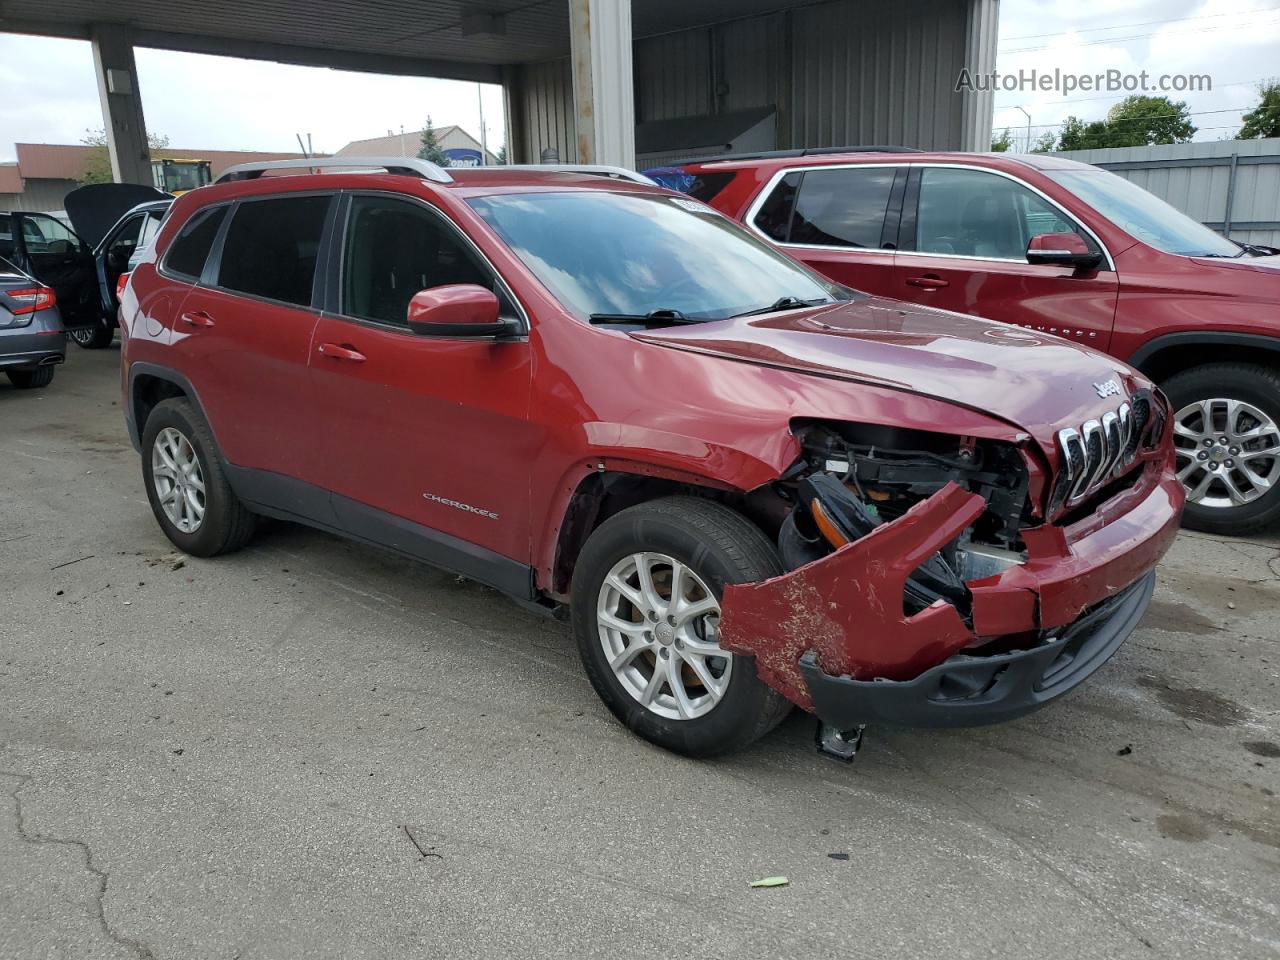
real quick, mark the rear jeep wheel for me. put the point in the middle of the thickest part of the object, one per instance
(646, 610)
(1226, 430)
(189, 493)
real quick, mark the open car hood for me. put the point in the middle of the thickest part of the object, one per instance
(1035, 381)
(95, 208)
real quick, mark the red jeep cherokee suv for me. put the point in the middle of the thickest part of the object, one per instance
(1059, 247)
(748, 486)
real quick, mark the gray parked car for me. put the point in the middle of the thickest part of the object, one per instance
(83, 262)
(32, 340)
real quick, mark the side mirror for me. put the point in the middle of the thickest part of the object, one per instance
(1062, 250)
(456, 310)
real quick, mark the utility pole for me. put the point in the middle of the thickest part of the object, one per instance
(484, 143)
(1028, 116)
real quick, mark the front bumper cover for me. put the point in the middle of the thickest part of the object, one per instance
(843, 615)
(967, 691)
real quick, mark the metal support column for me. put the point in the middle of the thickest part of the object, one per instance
(121, 103)
(982, 32)
(603, 81)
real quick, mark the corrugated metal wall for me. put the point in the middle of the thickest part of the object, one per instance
(1197, 179)
(877, 73)
(544, 110)
(842, 72)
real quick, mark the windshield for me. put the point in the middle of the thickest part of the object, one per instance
(1144, 215)
(628, 254)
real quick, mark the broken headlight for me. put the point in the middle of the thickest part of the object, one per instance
(853, 478)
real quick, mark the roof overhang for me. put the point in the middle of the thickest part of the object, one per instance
(451, 39)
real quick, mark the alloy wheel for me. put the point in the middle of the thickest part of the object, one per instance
(658, 624)
(178, 480)
(1228, 452)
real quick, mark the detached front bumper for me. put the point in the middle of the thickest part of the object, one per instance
(967, 691)
(833, 636)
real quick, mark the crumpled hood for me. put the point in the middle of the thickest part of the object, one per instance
(1034, 381)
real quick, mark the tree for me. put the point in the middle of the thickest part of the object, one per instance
(501, 156)
(1137, 121)
(1133, 122)
(1264, 119)
(1002, 143)
(430, 149)
(1078, 135)
(97, 168)
(1046, 142)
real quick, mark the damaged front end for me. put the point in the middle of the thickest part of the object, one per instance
(925, 587)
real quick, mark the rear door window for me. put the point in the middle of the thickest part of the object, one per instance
(271, 248)
(842, 208)
(190, 249)
(393, 249)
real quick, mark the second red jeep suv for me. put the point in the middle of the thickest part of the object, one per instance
(749, 487)
(1058, 247)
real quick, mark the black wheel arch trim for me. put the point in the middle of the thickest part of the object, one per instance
(160, 373)
(1251, 341)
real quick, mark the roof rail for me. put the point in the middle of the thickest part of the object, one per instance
(593, 169)
(806, 152)
(408, 166)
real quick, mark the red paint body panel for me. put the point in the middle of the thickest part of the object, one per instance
(847, 607)
(513, 428)
(1149, 293)
(1033, 381)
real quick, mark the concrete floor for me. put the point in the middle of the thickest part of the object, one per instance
(241, 758)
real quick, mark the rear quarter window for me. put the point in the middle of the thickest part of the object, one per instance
(190, 248)
(271, 248)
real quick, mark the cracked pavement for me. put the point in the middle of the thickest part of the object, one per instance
(314, 749)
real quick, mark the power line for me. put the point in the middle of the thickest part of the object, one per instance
(1142, 23)
(1161, 116)
(1147, 36)
(1123, 96)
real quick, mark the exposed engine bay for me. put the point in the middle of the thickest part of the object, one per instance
(853, 478)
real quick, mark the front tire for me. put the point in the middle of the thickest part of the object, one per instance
(645, 609)
(31, 379)
(1227, 434)
(189, 493)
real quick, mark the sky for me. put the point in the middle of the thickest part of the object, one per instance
(50, 95)
(1236, 43)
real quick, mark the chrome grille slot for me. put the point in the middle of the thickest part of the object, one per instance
(1098, 450)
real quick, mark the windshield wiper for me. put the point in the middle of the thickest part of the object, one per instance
(783, 303)
(660, 317)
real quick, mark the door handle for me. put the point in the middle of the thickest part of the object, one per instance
(197, 319)
(338, 352)
(929, 281)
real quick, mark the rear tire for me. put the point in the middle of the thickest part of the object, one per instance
(31, 379)
(712, 545)
(1227, 492)
(214, 521)
(97, 337)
